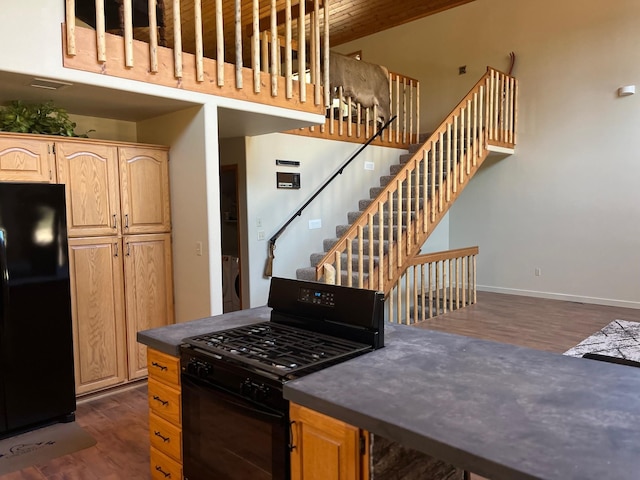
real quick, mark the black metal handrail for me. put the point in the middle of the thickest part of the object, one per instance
(272, 241)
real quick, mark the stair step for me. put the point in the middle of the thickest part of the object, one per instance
(342, 229)
(375, 191)
(353, 216)
(328, 244)
(385, 179)
(317, 257)
(364, 203)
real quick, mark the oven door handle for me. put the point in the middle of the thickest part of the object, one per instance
(227, 396)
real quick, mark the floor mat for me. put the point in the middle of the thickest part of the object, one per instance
(621, 338)
(40, 446)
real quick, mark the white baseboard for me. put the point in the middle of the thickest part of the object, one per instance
(560, 296)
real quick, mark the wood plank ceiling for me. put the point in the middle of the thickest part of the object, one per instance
(350, 19)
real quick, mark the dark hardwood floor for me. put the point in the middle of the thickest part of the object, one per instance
(119, 421)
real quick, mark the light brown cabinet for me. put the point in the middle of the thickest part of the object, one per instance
(326, 448)
(165, 415)
(26, 159)
(98, 311)
(148, 292)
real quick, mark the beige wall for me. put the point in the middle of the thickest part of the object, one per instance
(105, 128)
(567, 202)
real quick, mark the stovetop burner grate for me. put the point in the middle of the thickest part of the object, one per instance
(277, 348)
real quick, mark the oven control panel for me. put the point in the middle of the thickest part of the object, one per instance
(316, 297)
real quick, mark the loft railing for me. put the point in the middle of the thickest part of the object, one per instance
(269, 46)
(391, 231)
(272, 241)
(268, 51)
(434, 284)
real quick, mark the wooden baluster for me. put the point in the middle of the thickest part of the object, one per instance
(425, 190)
(374, 123)
(444, 286)
(397, 108)
(153, 36)
(360, 256)
(430, 288)
(274, 50)
(417, 112)
(416, 200)
(370, 250)
(399, 220)
(465, 282)
(288, 60)
(381, 246)
(476, 134)
(468, 139)
(331, 117)
(390, 243)
(100, 32)
(197, 17)
(404, 110)
(238, 43)
(302, 53)
(391, 110)
(461, 144)
(474, 279)
(399, 302)
(264, 49)
(437, 288)
(515, 112)
(456, 154)
(411, 111)
(339, 268)
(349, 262)
(70, 24)
(255, 50)
(440, 171)
(433, 181)
(327, 96)
(408, 202)
(481, 125)
(416, 317)
(128, 33)
(349, 117)
(219, 44)
(366, 123)
(177, 39)
(497, 91)
(449, 169)
(341, 110)
(358, 119)
(490, 97)
(316, 55)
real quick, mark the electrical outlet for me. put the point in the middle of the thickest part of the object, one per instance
(261, 235)
(538, 271)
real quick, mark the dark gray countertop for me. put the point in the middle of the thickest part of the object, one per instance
(501, 411)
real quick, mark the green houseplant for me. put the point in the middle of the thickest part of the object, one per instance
(41, 118)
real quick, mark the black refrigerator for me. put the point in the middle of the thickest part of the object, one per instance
(36, 343)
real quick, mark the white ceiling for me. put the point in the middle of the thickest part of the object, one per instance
(115, 104)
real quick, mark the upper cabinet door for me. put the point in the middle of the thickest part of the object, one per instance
(91, 175)
(144, 190)
(26, 160)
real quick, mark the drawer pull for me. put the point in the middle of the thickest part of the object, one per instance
(164, 439)
(166, 474)
(157, 365)
(163, 402)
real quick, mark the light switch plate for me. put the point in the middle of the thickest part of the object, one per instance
(315, 223)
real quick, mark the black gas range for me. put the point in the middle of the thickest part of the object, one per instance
(235, 418)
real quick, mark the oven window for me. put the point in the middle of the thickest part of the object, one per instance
(227, 437)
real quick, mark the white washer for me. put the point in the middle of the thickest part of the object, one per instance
(230, 283)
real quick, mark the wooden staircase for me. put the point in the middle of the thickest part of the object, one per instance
(381, 240)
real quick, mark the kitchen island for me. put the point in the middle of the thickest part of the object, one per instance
(502, 411)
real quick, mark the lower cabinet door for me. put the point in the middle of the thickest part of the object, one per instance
(148, 292)
(163, 468)
(97, 304)
(325, 448)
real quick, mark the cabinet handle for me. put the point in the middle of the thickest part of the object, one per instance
(164, 439)
(166, 474)
(128, 250)
(126, 221)
(115, 225)
(115, 245)
(292, 447)
(157, 365)
(164, 403)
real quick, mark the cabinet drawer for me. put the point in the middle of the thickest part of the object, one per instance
(165, 437)
(163, 468)
(163, 367)
(165, 401)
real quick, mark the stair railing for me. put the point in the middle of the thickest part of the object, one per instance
(272, 241)
(412, 204)
(434, 284)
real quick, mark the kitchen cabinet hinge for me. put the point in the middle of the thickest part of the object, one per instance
(53, 148)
